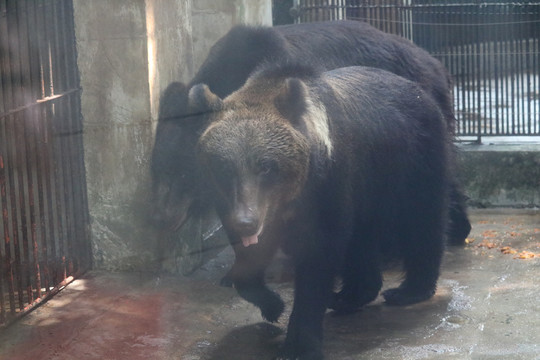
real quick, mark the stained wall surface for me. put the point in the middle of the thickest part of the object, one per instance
(128, 52)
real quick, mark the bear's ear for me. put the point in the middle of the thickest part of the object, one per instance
(202, 100)
(172, 103)
(291, 101)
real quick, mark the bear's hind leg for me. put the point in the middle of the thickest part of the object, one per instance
(459, 226)
(362, 281)
(422, 272)
(422, 250)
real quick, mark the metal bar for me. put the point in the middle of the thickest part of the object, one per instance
(52, 292)
(57, 265)
(68, 141)
(61, 150)
(487, 53)
(4, 260)
(475, 47)
(506, 79)
(26, 182)
(37, 224)
(44, 144)
(39, 102)
(12, 78)
(49, 233)
(534, 51)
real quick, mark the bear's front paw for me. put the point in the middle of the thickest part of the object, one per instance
(272, 307)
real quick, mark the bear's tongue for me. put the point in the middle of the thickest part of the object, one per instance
(250, 240)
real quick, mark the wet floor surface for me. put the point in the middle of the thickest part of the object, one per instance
(487, 306)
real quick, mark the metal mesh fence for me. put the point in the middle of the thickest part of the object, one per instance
(491, 48)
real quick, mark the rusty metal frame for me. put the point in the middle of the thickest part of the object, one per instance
(44, 220)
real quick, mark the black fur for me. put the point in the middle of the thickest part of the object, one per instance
(324, 45)
(378, 192)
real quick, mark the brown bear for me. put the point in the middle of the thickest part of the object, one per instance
(329, 45)
(341, 170)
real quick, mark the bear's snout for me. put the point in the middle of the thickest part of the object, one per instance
(245, 223)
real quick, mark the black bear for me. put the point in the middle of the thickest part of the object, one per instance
(328, 45)
(341, 170)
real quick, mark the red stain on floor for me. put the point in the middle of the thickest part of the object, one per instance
(99, 323)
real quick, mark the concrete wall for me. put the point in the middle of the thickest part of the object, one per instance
(501, 175)
(112, 59)
(222, 15)
(128, 52)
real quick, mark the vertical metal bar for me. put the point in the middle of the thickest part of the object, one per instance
(472, 68)
(51, 231)
(535, 65)
(53, 114)
(517, 72)
(496, 63)
(32, 138)
(461, 62)
(475, 48)
(48, 236)
(506, 66)
(7, 269)
(5, 68)
(448, 56)
(3, 222)
(521, 71)
(527, 90)
(511, 69)
(26, 182)
(487, 53)
(66, 136)
(3, 193)
(65, 133)
(17, 208)
(466, 73)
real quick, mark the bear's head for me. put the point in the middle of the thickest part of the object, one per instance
(255, 151)
(174, 169)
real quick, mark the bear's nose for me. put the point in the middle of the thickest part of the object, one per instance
(246, 224)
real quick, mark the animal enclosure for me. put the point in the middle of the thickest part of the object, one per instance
(491, 48)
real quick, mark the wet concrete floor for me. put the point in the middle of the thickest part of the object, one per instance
(487, 307)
